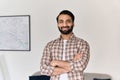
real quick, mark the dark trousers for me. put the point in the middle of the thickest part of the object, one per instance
(41, 77)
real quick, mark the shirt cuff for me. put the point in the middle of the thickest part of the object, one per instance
(71, 65)
(51, 70)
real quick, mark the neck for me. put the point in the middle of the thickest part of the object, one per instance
(66, 36)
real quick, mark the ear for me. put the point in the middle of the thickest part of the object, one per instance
(73, 24)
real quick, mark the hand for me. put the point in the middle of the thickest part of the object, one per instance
(61, 64)
(77, 56)
(54, 63)
(58, 71)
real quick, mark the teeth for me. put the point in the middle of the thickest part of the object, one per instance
(65, 28)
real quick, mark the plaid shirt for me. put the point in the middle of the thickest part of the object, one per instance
(54, 51)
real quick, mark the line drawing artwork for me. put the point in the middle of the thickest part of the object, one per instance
(15, 33)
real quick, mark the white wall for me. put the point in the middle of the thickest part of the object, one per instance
(97, 21)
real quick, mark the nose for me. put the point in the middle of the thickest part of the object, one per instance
(65, 24)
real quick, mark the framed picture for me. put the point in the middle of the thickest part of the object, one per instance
(15, 33)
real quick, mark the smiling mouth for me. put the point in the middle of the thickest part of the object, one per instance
(65, 28)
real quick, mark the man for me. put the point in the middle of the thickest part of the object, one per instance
(65, 58)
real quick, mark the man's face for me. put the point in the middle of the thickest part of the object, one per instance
(65, 24)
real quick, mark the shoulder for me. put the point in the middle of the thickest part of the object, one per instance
(52, 42)
(82, 41)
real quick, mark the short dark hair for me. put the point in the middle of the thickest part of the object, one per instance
(67, 12)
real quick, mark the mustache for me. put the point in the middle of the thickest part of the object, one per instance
(65, 27)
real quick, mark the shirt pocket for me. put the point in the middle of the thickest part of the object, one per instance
(56, 53)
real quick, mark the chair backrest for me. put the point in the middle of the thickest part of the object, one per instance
(36, 73)
(37, 76)
(91, 76)
(87, 76)
(4, 73)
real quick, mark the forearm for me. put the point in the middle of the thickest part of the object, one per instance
(58, 71)
(81, 63)
(61, 64)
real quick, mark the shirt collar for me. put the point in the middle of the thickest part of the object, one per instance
(71, 37)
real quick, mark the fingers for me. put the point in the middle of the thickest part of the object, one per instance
(77, 56)
(53, 63)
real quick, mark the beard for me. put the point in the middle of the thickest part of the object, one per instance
(70, 29)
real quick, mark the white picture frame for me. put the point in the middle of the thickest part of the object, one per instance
(15, 33)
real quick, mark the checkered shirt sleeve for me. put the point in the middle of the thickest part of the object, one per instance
(81, 64)
(45, 68)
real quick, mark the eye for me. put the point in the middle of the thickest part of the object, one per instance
(60, 21)
(69, 21)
